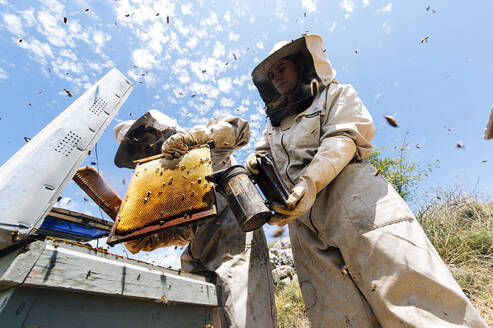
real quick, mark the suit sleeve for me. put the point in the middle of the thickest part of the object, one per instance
(346, 131)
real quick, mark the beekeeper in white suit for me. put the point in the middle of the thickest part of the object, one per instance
(236, 261)
(362, 258)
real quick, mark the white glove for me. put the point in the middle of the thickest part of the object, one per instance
(179, 144)
(332, 156)
(176, 236)
(298, 203)
(251, 164)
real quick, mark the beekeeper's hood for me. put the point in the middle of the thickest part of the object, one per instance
(310, 47)
(123, 132)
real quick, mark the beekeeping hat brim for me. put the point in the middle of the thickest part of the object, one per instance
(310, 47)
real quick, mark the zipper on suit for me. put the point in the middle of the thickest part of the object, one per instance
(310, 217)
(291, 180)
(289, 160)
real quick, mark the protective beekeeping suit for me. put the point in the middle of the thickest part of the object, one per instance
(362, 258)
(236, 261)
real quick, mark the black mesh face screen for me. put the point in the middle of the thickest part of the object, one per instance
(168, 133)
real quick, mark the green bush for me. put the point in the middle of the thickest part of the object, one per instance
(403, 174)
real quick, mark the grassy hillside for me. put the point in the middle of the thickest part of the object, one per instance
(461, 229)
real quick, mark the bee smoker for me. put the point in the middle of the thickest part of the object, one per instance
(248, 206)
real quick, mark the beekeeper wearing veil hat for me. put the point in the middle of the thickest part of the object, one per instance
(237, 262)
(362, 258)
(143, 137)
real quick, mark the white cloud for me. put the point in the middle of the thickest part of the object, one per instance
(143, 58)
(182, 28)
(333, 26)
(386, 27)
(233, 36)
(13, 24)
(385, 9)
(225, 84)
(55, 34)
(186, 9)
(219, 49)
(41, 50)
(309, 5)
(3, 74)
(28, 16)
(66, 52)
(192, 42)
(63, 65)
(184, 78)
(260, 45)
(66, 203)
(242, 79)
(143, 12)
(210, 21)
(241, 109)
(227, 16)
(365, 3)
(155, 37)
(54, 6)
(347, 5)
(57, 46)
(211, 65)
(280, 10)
(378, 95)
(100, 38)
(205, 88)
(227, 102)
(99, 66)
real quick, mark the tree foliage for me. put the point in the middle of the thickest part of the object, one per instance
(399, 170)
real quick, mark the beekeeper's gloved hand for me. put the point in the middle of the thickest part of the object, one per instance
(298, 203)
(175, 236)
(180, 143)
(251, 164)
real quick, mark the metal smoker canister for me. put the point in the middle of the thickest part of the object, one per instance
(242, 196)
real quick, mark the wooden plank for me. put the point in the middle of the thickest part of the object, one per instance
(15, 267)
(74, 268)
(22, 307)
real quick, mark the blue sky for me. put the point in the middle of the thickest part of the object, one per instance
(198, 65)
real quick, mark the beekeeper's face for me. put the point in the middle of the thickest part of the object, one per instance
(283, 76)
(147, 143)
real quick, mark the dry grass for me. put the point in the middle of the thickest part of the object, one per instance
(290, 307)
(461, 229)
(477, 283)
